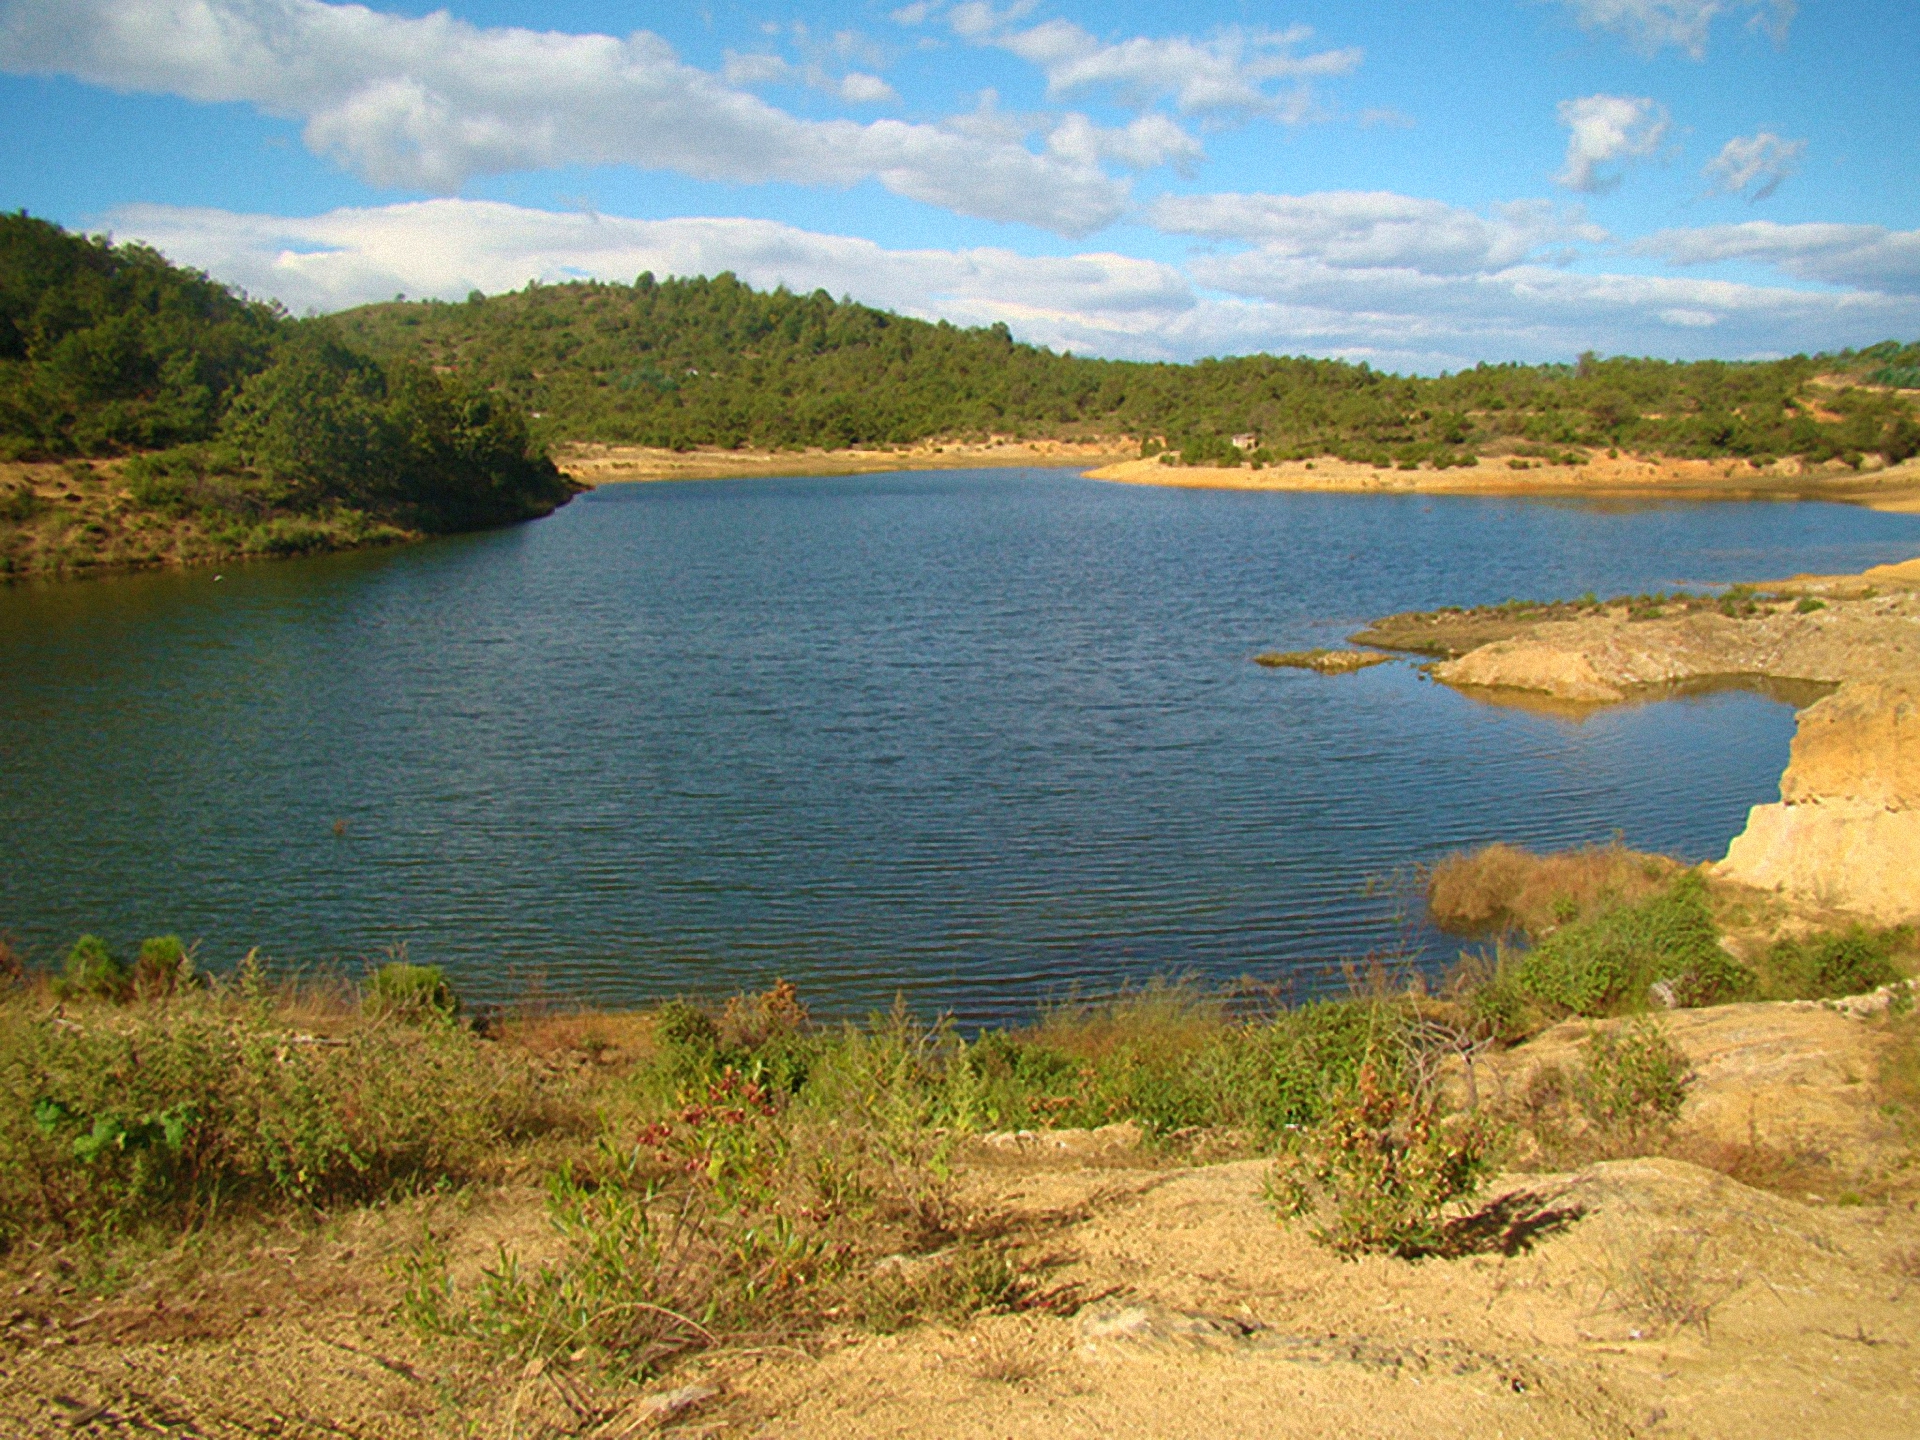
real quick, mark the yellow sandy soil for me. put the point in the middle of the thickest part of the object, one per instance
(600, 464)
(1629, 1298)
(1896, 488)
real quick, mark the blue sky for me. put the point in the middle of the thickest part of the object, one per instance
(1422, 186)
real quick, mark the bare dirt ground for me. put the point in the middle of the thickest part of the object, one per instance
(1632, 1297)
(596, 464)
(1624, 478)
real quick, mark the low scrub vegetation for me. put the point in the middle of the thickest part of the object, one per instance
(720, 1174)
(1605, 931)
(1381, 1169)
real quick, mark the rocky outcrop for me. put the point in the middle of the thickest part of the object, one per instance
(1604, 659)
(1846, 832)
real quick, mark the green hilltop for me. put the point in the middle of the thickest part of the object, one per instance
(237, 427)
(713, 362)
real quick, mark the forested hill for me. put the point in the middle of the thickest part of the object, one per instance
(681, 363)
(226, 416)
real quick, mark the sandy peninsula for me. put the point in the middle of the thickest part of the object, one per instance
(1892, 488)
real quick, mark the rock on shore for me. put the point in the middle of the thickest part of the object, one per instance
(1604, 659)
(1846, 832)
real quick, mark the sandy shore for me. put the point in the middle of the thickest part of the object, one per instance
(604, 464)
(1896, 488)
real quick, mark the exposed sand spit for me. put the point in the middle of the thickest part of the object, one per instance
(596, 464)
(1894, 488)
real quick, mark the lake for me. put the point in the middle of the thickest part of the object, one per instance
(981, 738)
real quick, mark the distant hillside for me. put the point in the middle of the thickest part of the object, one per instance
(682, 363)
(227, 421)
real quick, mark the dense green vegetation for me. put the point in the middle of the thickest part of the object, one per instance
(269, 433)
(694, 362)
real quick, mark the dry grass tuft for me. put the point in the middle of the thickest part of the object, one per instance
(1504, 887)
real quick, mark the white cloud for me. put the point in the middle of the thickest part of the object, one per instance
(1607, 129)
(1533, 312)
(1393, 315)
(1144, 143)
(1230, 72)
(858, 88)
(1869, 257)
(1352, 229)
(755, 68)
(1651, 25)
(429, 102)
(1753, 165)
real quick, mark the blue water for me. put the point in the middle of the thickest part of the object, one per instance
(979, 737)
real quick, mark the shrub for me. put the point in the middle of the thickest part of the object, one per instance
(405, 991)
(1822, 967)
(92, 971)
(1377, 1174)
(1634, 1081)
(1606, 964)
(162, 968)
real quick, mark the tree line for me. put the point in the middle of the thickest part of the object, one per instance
(693, 362)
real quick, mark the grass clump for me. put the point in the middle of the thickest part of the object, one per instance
(1507, 888)
(122, 1112)
(92, 972)
(401, 990)
(1620, 1098)
(1822, 967)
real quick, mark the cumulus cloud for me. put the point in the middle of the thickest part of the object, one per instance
(1145, 143)
(429, 102)
(1534, 312)
(1869, 257)
(1352, 229)
(1649, 26)
(446, 248)
(1753, 165)
(1230, 72)
(1607, 129)
(1281, 300)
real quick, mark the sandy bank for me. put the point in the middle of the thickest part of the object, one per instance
(1636, 1297)
(1896, 488)
(604, 464)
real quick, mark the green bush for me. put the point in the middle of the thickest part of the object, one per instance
(163, 967)
(1634, 1079)
(1378, 1173)
(92, 972)
(402, 990)
(1821, 967)
(1606, 964)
